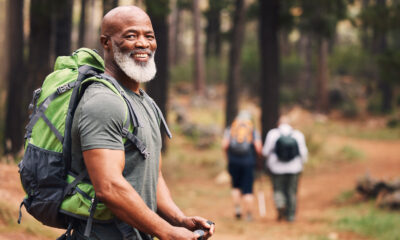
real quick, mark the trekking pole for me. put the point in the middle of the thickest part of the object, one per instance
(261, 199)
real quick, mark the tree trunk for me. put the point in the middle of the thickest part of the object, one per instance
(364, 29)
(174, 19)
(199, 70)
(108, 5)
(305, 52)
(213, 42)
(39, 42)
(380, 45)
(322, 103)
(232, 93)
(284, 43)
(158, 87)
(63, 10)
(269, 52)
(82, 24)
(13, 136)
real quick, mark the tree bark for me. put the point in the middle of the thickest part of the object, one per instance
(380, 45)
(173, 33)
(82, 24)
(322, 102)
(199, 70)
(15, 76)
(63, 10)
(364, 29)
(158, 87)
(39, 42)
(213, 42)
(232, 93)
(305, 52)
(269, 52)
(108, 5)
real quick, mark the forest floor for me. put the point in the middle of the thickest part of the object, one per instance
(198, 189)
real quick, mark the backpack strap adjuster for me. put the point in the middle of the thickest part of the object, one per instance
(62, 89)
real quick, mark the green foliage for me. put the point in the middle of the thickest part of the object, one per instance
(182, 72)
(375, 103)
(357, 130)
(349, 153)
(345, 196)
(291, 67)
(381, 18)
(365, 219)
(216, 70)
(250, 62)
(158, 8)
(321, 17)
(393, 122)
(349, 108)
(185, 4)
(351, 60)
(389, 66)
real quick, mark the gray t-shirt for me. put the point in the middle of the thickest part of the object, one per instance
(98, 123)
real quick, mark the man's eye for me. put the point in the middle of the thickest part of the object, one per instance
(131, 36)
(151, 37)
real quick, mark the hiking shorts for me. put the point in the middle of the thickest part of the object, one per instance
(242, 177)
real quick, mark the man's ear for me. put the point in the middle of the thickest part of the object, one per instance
(105, 42)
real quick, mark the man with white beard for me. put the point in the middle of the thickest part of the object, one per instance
(130, 185)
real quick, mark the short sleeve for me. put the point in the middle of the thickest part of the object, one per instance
(101, 119)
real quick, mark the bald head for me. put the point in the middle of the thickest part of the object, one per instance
(117, 18)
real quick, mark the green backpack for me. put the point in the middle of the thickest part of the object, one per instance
(54, 195)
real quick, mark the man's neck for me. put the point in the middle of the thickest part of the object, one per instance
(114, 71)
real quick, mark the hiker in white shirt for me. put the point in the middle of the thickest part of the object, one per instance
(285, 171)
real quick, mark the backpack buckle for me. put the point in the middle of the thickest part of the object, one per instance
(145, 154)
(35, 97)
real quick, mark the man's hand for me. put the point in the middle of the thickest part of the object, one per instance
(194, 223)
(181, 233)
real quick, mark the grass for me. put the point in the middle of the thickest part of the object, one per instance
(345, 196)
(367, 220)
(358, 130)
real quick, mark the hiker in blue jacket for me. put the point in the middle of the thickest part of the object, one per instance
(286, 152)
(131, 185)
(242, 145)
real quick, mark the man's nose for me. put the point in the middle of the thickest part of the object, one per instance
(142, 42)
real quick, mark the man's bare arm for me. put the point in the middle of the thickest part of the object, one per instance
(105, 170)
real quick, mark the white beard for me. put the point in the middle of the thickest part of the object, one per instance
(139, 72)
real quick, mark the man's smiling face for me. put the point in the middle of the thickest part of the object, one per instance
(134, 46)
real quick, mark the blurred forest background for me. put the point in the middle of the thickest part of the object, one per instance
(321, 55)
(333, 66)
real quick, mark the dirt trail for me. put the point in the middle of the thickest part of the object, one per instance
(317, 193)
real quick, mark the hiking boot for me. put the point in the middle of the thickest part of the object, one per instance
(238, 215)
(249, 217)
(281, 214)
(290, 219)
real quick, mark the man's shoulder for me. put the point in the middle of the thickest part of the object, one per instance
(98, 98)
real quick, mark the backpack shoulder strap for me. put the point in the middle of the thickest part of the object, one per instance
(131, 118)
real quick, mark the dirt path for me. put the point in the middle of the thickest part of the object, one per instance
(316, 200)
(317, 193)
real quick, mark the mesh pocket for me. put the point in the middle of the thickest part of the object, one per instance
(42, 175)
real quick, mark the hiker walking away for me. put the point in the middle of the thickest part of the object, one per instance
(128, 182)
(286, 152)
(242, 145)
